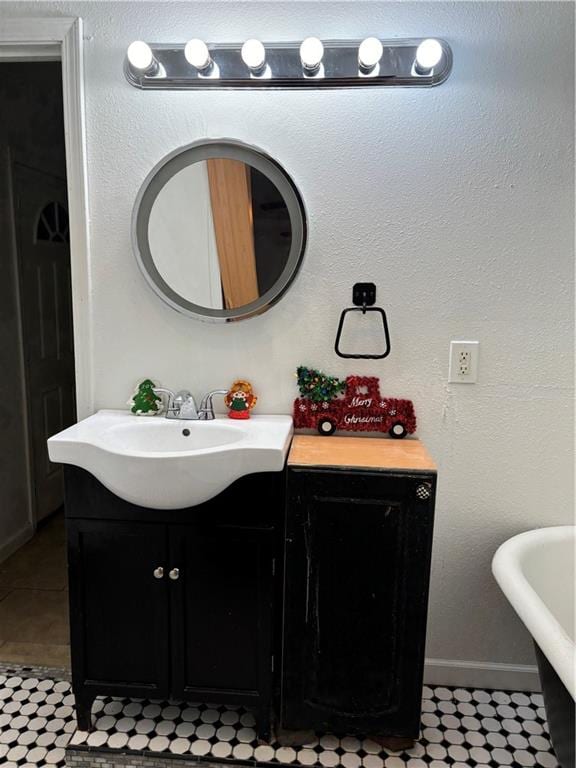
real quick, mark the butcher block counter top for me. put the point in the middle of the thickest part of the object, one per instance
(360, 452)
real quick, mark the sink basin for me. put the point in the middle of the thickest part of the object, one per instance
(161, 437)
(171, 463)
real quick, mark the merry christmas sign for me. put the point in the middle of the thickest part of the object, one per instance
(355, 404)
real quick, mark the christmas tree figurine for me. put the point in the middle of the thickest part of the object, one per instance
(145, 402)
(318, 387)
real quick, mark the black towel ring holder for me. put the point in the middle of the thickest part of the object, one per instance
(363, 297)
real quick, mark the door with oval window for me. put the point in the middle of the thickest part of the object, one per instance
(43, 246)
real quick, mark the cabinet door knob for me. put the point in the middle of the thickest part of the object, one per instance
(159, 572)
(424, 491)
(174, 574)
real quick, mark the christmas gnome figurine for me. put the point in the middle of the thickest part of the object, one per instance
(240, 400)
(145, 402)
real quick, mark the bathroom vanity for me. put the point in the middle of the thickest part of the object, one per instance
(174, 603)
(301, 591)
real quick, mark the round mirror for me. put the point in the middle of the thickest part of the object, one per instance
(219, 230)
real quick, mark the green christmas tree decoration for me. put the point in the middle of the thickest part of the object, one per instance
(145, 400)
(316, 386)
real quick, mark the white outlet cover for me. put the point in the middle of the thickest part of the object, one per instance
(463, 368)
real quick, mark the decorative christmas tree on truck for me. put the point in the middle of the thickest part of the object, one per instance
(318, 387)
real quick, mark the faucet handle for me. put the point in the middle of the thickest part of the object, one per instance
(170, 395)
(206, 407)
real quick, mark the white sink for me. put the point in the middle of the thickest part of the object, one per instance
(152, 462)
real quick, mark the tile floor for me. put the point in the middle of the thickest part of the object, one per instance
(34, 600)
(460, 727)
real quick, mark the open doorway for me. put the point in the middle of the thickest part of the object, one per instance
(37, 384)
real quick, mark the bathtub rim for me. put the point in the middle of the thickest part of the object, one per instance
(546, 630)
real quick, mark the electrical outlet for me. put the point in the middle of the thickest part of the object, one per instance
(464, 362)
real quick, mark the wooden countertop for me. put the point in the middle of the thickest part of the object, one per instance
(364, 452)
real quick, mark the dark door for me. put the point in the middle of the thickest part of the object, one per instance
(46, 309)
(119, 606)
(357, 563)
(221, 612)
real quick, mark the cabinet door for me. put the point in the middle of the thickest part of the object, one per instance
(356, 584)
(118, 608)
(222, 612)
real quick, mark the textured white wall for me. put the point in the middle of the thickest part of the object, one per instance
(457, 201)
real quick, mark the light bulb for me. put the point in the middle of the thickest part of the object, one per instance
(370, 52)
(140, 55)
(428, 54)
(311, 52)
(197, 53)
(253, 54)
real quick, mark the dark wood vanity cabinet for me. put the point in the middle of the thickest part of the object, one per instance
(173, 603)
(191, 604)
(358, 541)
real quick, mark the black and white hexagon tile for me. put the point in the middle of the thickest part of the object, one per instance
(460, 727)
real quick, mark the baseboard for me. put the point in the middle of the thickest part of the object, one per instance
(15, 541)
(482, 674)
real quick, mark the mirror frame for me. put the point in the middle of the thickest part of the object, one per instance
(182, 158)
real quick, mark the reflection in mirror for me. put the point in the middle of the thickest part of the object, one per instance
(219, 233)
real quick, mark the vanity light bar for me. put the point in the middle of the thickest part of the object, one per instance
(312, 63)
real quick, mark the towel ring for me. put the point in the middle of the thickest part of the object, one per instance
(363, 297)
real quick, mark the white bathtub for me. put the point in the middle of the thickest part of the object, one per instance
(536, 572)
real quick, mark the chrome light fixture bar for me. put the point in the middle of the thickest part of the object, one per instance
(312, 63)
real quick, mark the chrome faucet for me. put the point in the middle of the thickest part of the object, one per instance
(181, 405)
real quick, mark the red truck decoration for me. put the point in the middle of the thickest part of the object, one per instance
(328, 404)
